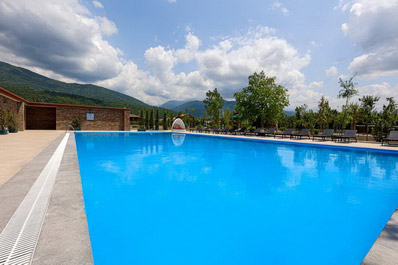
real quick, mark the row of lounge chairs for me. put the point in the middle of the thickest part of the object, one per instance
(326, 134)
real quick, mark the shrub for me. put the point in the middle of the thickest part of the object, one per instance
(12, 120)
(76, 122)
(3, 119)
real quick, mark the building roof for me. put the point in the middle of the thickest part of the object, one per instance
(134, 116)
(42, 104)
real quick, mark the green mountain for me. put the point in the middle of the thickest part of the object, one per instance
(199, 107)
(171, 104)
(38, 88)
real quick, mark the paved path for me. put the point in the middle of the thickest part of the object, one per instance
(17, 149)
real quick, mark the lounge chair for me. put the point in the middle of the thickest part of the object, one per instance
(207, 130)
(270, 132)
(288, 132)
(199, 129)
(241, 131)
(223, 131)
(348, 134)
(392, 136)
(327, 133)
(249, 132)
(232, 131)
(302, 133)
(259, 131)
(215, 130)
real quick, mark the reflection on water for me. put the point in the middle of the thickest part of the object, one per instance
(204, 200)
(177, 138)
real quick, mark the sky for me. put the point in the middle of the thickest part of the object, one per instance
(160, 50)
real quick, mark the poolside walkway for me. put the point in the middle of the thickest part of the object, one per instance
(17, 149)
(371, 145)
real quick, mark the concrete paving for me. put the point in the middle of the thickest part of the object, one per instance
(17, 149)
(369, 145)
(15, 189)
(64, 238)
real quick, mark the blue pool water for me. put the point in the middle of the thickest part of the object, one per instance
(159, 199)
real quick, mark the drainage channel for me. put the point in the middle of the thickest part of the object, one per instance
(19, 238)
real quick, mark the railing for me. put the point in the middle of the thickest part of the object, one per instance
(67, 127)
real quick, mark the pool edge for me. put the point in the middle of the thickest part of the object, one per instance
(64, 238)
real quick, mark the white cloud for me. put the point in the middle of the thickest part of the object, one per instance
(372, 27)
(60, 36)
(63, 40)
(171, 1)
(226, 65)
(279, 6)
(332, 71)
(98, 4)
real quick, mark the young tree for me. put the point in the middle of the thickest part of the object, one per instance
(355, 114)
(323, 113)
(151, 120)
(214, 104)
(157, 120)
(142, 121)
(299, 115)
(347, 91)
(263, 101)
(171, 119)
(387, 119)
(193, 117)
(147, 120)
(227, 119)
(165, 120)
(368, 104)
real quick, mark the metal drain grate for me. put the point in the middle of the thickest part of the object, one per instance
(19, 238)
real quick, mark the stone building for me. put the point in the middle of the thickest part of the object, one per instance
(49, 116)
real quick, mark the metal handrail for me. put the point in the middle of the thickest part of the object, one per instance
(67, 126)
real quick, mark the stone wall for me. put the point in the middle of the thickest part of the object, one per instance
(104, 119)
(15, 106)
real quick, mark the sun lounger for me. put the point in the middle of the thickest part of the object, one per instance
(327, 133)
(302, 133)
(347, 136)
(288, 132)
(392, 136)
(241, 131)
(258, 132)
(270, 132)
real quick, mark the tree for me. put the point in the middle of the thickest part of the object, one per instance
(157, 120)
(347, 91)
(142, 119)
(299, 116)
(323, 113)
(355, 114)
(368, 104)
(386, 120)
(147, 120)
(165, 120)
(227, 119)
(262, 101)
(214, 104)
(151, 120)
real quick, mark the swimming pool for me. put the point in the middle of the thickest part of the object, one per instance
(162, 198)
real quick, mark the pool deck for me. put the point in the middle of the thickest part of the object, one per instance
(64, 237)
(17, 149)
